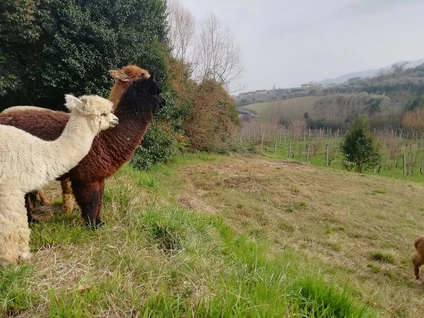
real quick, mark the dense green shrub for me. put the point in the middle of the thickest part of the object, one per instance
(359, 147)
(159, 145)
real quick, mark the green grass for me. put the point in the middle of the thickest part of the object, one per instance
(200, 269)
(383, 257)
(15, 294)
(215, 236)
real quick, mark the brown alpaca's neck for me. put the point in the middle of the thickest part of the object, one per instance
(121, 141)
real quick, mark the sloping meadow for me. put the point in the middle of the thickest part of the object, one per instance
(210, 236)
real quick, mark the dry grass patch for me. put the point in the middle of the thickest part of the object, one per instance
(363, 225)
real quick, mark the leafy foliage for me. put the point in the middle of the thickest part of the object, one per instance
(18, 31)
(359, 147)
(70, 45)
(52, 47)
(159, 145)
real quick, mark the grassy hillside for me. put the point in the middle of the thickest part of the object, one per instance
(287, 109)
(227, 237)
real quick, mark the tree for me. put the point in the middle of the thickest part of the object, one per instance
(181, 30)
(398, 67)
(414, 119)
(73, 44)
(218, 55)
(18, 31)
(359, 147)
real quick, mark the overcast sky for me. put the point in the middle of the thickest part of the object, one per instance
(290, 42)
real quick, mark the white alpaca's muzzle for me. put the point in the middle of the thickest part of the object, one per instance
(114, 122)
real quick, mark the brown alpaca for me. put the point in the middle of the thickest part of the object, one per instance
(109, 151)
(418, 257)
(123, 79)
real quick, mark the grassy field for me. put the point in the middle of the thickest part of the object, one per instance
(288, 109)
(211, 236)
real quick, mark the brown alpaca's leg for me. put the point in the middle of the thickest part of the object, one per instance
(99, 208)
(88, 198)
(67, 196)
(42, 198)
(29, 207)
(417, 261)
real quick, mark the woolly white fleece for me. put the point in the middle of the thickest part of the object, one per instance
(27, 163)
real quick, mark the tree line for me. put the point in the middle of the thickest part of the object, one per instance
(393, 99)
(52, 47)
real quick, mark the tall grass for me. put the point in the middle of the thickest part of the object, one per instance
(158, 259)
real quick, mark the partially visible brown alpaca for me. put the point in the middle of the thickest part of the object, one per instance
(418, 257)
(123, 78)
(138, 103)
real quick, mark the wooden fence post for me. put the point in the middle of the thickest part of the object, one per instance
(262, 142)
(326, 154)
(308, 154)
(404, 164)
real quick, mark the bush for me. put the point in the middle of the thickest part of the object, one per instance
(359, 147)
(213, 122)
(160, 144)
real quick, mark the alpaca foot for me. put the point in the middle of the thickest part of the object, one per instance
(13, 258)
(95, 225)
(6, 260)
(24, 256)
(31, 219)
(45, 202)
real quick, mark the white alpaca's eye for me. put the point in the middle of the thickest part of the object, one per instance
(104, 114)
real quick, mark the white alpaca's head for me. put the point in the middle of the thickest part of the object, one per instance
(97, 108)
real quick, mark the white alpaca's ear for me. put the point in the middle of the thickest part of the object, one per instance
(72, 102)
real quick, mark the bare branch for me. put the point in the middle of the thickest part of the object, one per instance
(218, 57)
(181, 29)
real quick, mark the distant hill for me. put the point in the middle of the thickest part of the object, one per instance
(367, 73)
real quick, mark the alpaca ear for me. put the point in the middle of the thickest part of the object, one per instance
(145, 75)
(72, 102)
(118, 74)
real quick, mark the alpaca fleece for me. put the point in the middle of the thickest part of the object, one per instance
(28, 162)
(123, 79)
(418, 257)
(110, 150)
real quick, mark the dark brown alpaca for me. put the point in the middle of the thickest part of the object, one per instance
(418, 257)
(109, 151)
(123, 79)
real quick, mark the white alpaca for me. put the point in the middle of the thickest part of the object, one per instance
(27, 163)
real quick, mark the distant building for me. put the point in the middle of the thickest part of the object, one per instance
(311, 85)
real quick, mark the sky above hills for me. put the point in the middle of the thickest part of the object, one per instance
(287, 42)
